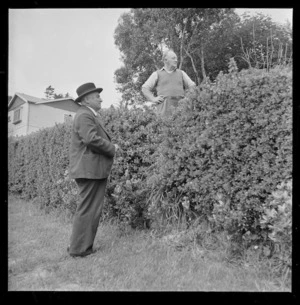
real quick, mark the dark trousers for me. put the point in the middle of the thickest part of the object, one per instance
(87, 215)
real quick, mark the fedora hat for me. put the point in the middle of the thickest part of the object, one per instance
(86, 89)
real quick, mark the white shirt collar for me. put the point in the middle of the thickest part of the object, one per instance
(94, 112)
(164, 68)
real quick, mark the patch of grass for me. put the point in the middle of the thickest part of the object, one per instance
(126, 260)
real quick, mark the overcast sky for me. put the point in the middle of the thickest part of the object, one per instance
(65, 48)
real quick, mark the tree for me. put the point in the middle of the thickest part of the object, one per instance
(264, 43)
(140, 54)
(221, 45)
(49, 93)
(143, 34)
(203, 39)
(195, 34)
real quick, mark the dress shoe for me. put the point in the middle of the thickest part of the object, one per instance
(86, 253)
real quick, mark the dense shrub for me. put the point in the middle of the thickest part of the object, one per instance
(137, 132)
(219, 158)
(38, 167)
(229, 148)
(38, 164)
(16, 165)
(277, 220)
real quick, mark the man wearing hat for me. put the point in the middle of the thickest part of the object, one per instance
(91, 158)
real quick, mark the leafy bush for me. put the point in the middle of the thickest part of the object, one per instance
(137, 133)
(218, 158)
(16, 165)
(277, 220)
(227, 148)
(38, 167)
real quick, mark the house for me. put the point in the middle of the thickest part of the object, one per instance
(27, 114)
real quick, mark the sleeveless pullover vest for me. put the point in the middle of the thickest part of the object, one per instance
(170, 84)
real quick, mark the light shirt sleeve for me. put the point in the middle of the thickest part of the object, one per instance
(187, 82)
(151, 81)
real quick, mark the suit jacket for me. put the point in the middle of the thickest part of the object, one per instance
(91, 151)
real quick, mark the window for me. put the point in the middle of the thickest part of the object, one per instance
(17, 116)
(68, 118)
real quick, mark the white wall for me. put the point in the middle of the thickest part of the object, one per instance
(41, 116)
(37, 116)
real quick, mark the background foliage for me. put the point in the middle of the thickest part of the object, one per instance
(204, 40)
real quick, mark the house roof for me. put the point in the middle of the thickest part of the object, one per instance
(35, 100)
(44, 101)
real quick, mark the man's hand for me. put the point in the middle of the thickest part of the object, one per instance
(158, 100)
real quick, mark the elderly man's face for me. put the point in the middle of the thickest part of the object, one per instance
(94, 101)
(171, 60)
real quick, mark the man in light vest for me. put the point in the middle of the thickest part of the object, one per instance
(170, 84)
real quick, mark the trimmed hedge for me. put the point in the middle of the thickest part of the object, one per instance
(230, 149)
(137, 132)
(38, 168)
(219, 158)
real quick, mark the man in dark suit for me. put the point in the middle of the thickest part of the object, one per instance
(91, 160)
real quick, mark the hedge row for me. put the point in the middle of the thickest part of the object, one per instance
(233, 146)
(226, 158)
(218, 159)
(38, 167)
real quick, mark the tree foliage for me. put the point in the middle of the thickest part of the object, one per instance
(143, 34)
(203, 39)
(50, 94)
(263, 42)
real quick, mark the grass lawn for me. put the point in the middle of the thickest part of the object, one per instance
(135, 261)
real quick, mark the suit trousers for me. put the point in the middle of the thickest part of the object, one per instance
(87, 215)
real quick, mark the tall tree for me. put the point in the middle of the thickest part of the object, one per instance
(263, 42)
(143, 34)
(203, 39)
